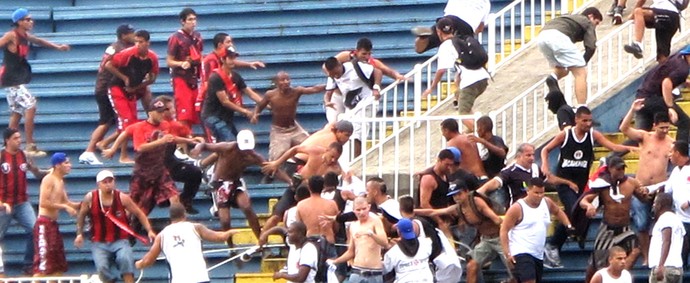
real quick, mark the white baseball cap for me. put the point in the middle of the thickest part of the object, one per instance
(245, 140)
(104, 175)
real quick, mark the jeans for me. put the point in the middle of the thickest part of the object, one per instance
(569, 199)
(25, 216)
(103, 253)
(221, 129)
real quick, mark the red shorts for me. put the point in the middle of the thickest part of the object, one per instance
(184, 101)
(148, 191)
(124, 107)
(49, 251)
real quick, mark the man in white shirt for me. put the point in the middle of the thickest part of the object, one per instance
(181, 243)
(468, 18)
(357, 84)
(677, 185)
(302, 261)
(615, 272)
(667, 241)
(447, 54)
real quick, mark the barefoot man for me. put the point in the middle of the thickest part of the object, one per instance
(367, 237)
(49, 259)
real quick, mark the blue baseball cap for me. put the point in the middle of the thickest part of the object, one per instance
(58, 158)
(456, 152)
(406, 229)
(19, 14)
(685, 50)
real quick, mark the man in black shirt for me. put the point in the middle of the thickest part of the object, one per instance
(491, 148)
(656, 91)
(575, 160)
(224, 98)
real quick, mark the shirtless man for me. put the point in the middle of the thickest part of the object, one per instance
(320, 160)
(285, 131)
(367, 238)
(615, 192)
(471, 161)
(306, 208)
(49, 259)
(230, 190)
(474, 211)
(654, 148)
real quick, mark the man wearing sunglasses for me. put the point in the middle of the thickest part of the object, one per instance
(16, 73)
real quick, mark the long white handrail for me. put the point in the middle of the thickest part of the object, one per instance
(608, 68)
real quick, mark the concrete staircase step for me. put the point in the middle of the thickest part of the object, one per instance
(256, 278)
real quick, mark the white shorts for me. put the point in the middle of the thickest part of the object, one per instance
(559, 50)
(20, 99)
(338, 108)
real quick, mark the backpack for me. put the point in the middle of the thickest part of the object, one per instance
(471, 53)
(321, 248)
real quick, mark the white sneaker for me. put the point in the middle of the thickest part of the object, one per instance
(89, 158)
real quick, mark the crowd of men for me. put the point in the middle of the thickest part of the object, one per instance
(468, 197)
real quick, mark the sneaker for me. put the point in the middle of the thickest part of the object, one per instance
(421, 31)
(552, 256)
(618, 15)
(634, 49)
(550, 265)
(89, 158)
(612, 10)
(552, 83)
(33, 151)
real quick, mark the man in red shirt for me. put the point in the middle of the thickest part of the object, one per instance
(108, 207)
(151, 183)
(184, 59)
(16, 73)
(13, 191)
(133, 69)
(106, 114)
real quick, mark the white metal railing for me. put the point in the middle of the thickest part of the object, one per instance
(501, 27)
(57, 279)
(528, 15)
(608, 67)
(413, 139)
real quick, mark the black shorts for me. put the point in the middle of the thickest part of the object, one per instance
(528, 268)
(666, 23)
(106, 114)
(461, 28)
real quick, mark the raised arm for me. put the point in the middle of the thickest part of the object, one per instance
(40, 41)
(625, 128)
(451, 210)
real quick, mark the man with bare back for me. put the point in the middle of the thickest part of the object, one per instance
(654, 148)
(306, 210)
(615, 191)
(471, 161)
(319, 161)
(473, 210)
(49, 259)
(285, 131)
(230, 190)
(367, 237)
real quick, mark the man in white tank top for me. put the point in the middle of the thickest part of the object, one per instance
(615, 272)
(181, 243)
(523, 232)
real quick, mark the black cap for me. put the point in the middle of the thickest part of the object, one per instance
(231, 51)
(615, 162)
(457, 186)
(124, 29)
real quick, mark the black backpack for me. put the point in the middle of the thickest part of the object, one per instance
(471, 53)
(321, 247)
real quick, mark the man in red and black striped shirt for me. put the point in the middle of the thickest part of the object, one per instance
(107, 208)
(14, 164)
